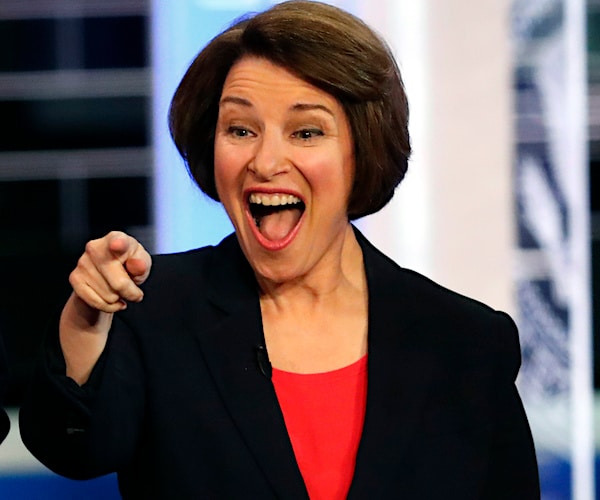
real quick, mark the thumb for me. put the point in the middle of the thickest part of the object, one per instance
(138, 269)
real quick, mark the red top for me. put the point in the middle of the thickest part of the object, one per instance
(324, 415)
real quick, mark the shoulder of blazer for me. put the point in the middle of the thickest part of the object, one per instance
(418, 304)
(383, 271)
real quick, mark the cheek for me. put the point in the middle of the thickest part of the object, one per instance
(350, 175)
(223, 172)
(225, 189)
(333, 176)
(228, 180)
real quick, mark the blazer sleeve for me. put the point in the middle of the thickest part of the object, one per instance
(85, 431)
(513, 471)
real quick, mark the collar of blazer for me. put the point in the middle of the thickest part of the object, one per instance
(398, 370)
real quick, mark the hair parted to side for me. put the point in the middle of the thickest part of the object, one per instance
(326, 47)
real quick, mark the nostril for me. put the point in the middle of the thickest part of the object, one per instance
(268, 162)
(264, 174)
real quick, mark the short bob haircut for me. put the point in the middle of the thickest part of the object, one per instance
(326, 47)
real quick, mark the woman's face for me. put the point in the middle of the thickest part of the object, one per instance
(284, 168)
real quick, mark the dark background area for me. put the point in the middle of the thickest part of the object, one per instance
(75, 153)
(76, 160)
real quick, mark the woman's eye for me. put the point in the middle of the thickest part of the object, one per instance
(239, 131)
(307, 133)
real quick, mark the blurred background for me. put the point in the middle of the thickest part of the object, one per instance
(501, 202)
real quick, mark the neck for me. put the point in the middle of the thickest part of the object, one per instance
(319, 322)
(338, 273)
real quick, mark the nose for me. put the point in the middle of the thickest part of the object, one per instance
(269, 157)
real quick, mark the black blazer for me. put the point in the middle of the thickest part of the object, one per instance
(179, 406)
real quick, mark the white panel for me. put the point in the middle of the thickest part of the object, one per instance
(403, 229)
(452, 216)
(580, 284)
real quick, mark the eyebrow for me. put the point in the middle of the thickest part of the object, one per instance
(235, 100)
(309, 107)
(295, 107)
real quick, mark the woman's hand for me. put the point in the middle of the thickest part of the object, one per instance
(105, 279)
(109, 272)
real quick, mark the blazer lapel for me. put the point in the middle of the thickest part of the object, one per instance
(399, 374)
(231, 351)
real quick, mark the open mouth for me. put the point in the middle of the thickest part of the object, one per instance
(275, 215)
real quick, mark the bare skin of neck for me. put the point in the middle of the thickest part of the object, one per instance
(318, 323)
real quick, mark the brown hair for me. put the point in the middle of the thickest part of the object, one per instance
(326, 47)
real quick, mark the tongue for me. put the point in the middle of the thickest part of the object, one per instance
(278, 225)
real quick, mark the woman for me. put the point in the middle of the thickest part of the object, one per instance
(243, 371)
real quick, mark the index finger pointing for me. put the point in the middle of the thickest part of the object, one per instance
(132, 255)
(121, 245)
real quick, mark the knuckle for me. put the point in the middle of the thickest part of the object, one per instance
(91, 248)
(121, 284)
(75, 279)
(82, 262)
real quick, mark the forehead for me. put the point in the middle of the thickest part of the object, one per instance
(256, 78)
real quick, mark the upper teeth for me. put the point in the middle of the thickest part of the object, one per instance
(273, 199)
